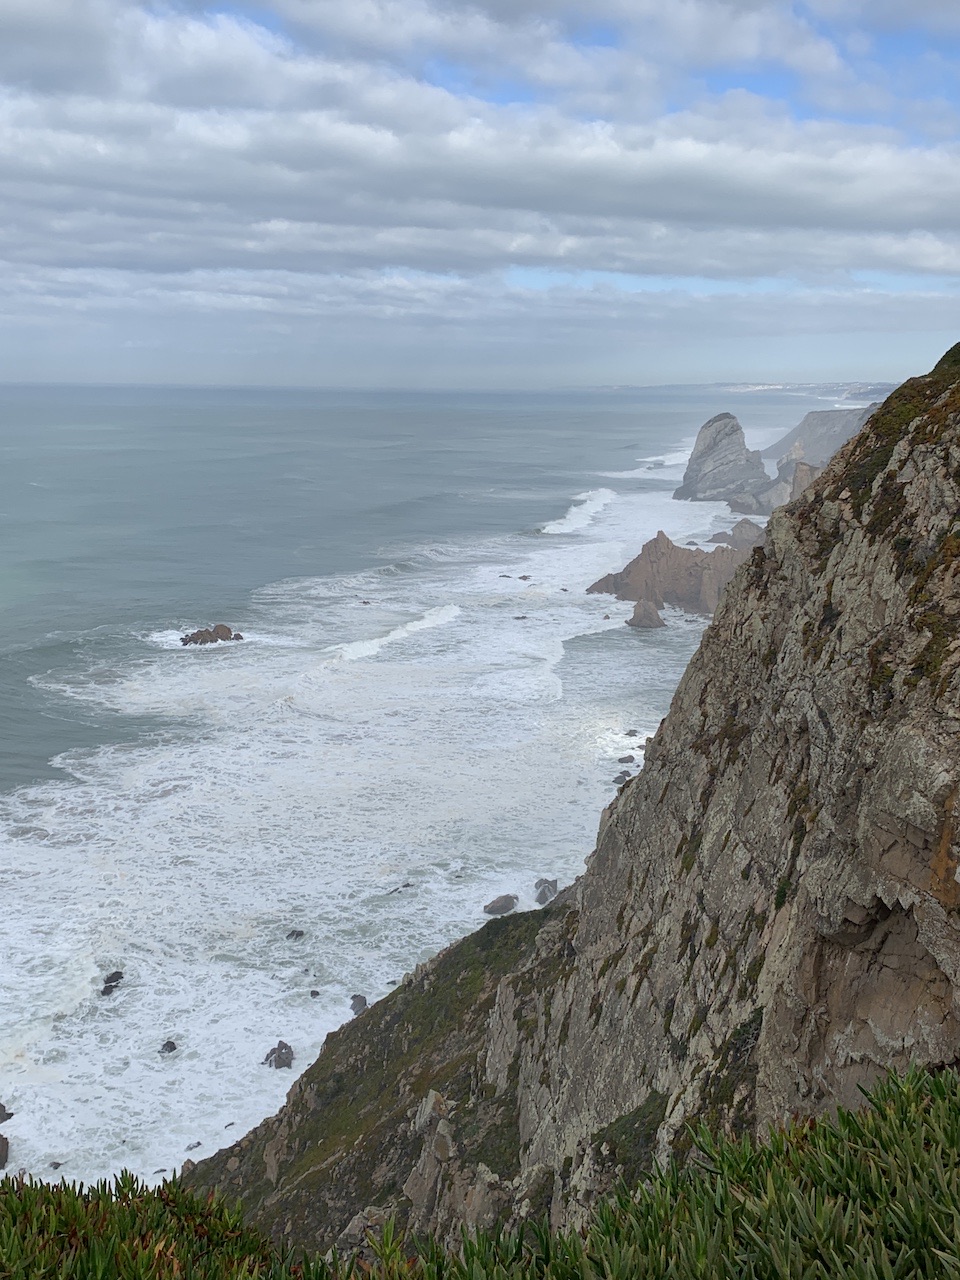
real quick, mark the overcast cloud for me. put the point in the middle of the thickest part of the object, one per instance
(517, 192)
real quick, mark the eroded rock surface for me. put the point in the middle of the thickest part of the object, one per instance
(770, 918)
(664, 573)
(721, 466)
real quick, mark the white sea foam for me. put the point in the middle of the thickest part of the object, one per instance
(368, 773)
(585, 508)
(356, 649)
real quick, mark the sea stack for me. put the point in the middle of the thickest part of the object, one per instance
(721, 466)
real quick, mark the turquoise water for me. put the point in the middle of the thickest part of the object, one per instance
(427, 711)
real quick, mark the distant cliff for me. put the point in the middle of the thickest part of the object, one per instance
(771, 915)
(722, 468)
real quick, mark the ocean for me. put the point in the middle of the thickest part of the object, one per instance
(426, 711)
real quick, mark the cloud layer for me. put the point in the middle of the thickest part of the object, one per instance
(379, 178)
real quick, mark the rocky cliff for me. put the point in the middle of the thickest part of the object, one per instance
(770, 917)
(820, 434)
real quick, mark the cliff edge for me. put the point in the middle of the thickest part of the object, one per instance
(770, 918)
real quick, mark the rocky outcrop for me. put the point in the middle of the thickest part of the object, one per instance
(820, 434)
(645, 616)
(721, 467)
(664, 573)
(770, 918)
(211, 635)
(744, 535)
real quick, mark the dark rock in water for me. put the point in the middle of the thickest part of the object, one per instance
(645, 616)
(4, 1151)
(211, 635)
(111, 982)
(313, 994)
(280, 1056)
(156, 1171)
(502, 906)
(294, 934)
(606, 617)
(525, 577)
(626, 760)
(520, 617)
(230, 1124)
(192, 1146)
(168, 1046)
(358, 1003)
(5, 1114)
(506, 575)
(546, 891)
(631, 733)
(56, 1164)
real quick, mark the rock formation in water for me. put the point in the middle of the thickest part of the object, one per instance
(744, 535)
(211, 635)
(770, 918)
(664, 573)
(721, 466)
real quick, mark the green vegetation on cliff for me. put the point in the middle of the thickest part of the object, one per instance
(871, 1195)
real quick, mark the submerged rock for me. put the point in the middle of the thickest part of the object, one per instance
(111, 982)
(501, 906)
(358, 1004)
(168, 1046)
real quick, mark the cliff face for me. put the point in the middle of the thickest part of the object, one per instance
(820, 434)
(771, 915)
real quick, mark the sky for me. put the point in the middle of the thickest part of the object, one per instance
(507, 194)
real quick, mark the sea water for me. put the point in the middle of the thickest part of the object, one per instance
(427, 710)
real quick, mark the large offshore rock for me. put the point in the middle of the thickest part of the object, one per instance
(771, 916)
(664, 573)
(721, 466)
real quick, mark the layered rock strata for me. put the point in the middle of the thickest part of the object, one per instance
(770, 918)
(721, 466)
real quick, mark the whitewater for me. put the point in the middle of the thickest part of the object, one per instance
(257, 831)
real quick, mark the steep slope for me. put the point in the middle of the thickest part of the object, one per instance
(769, 918)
